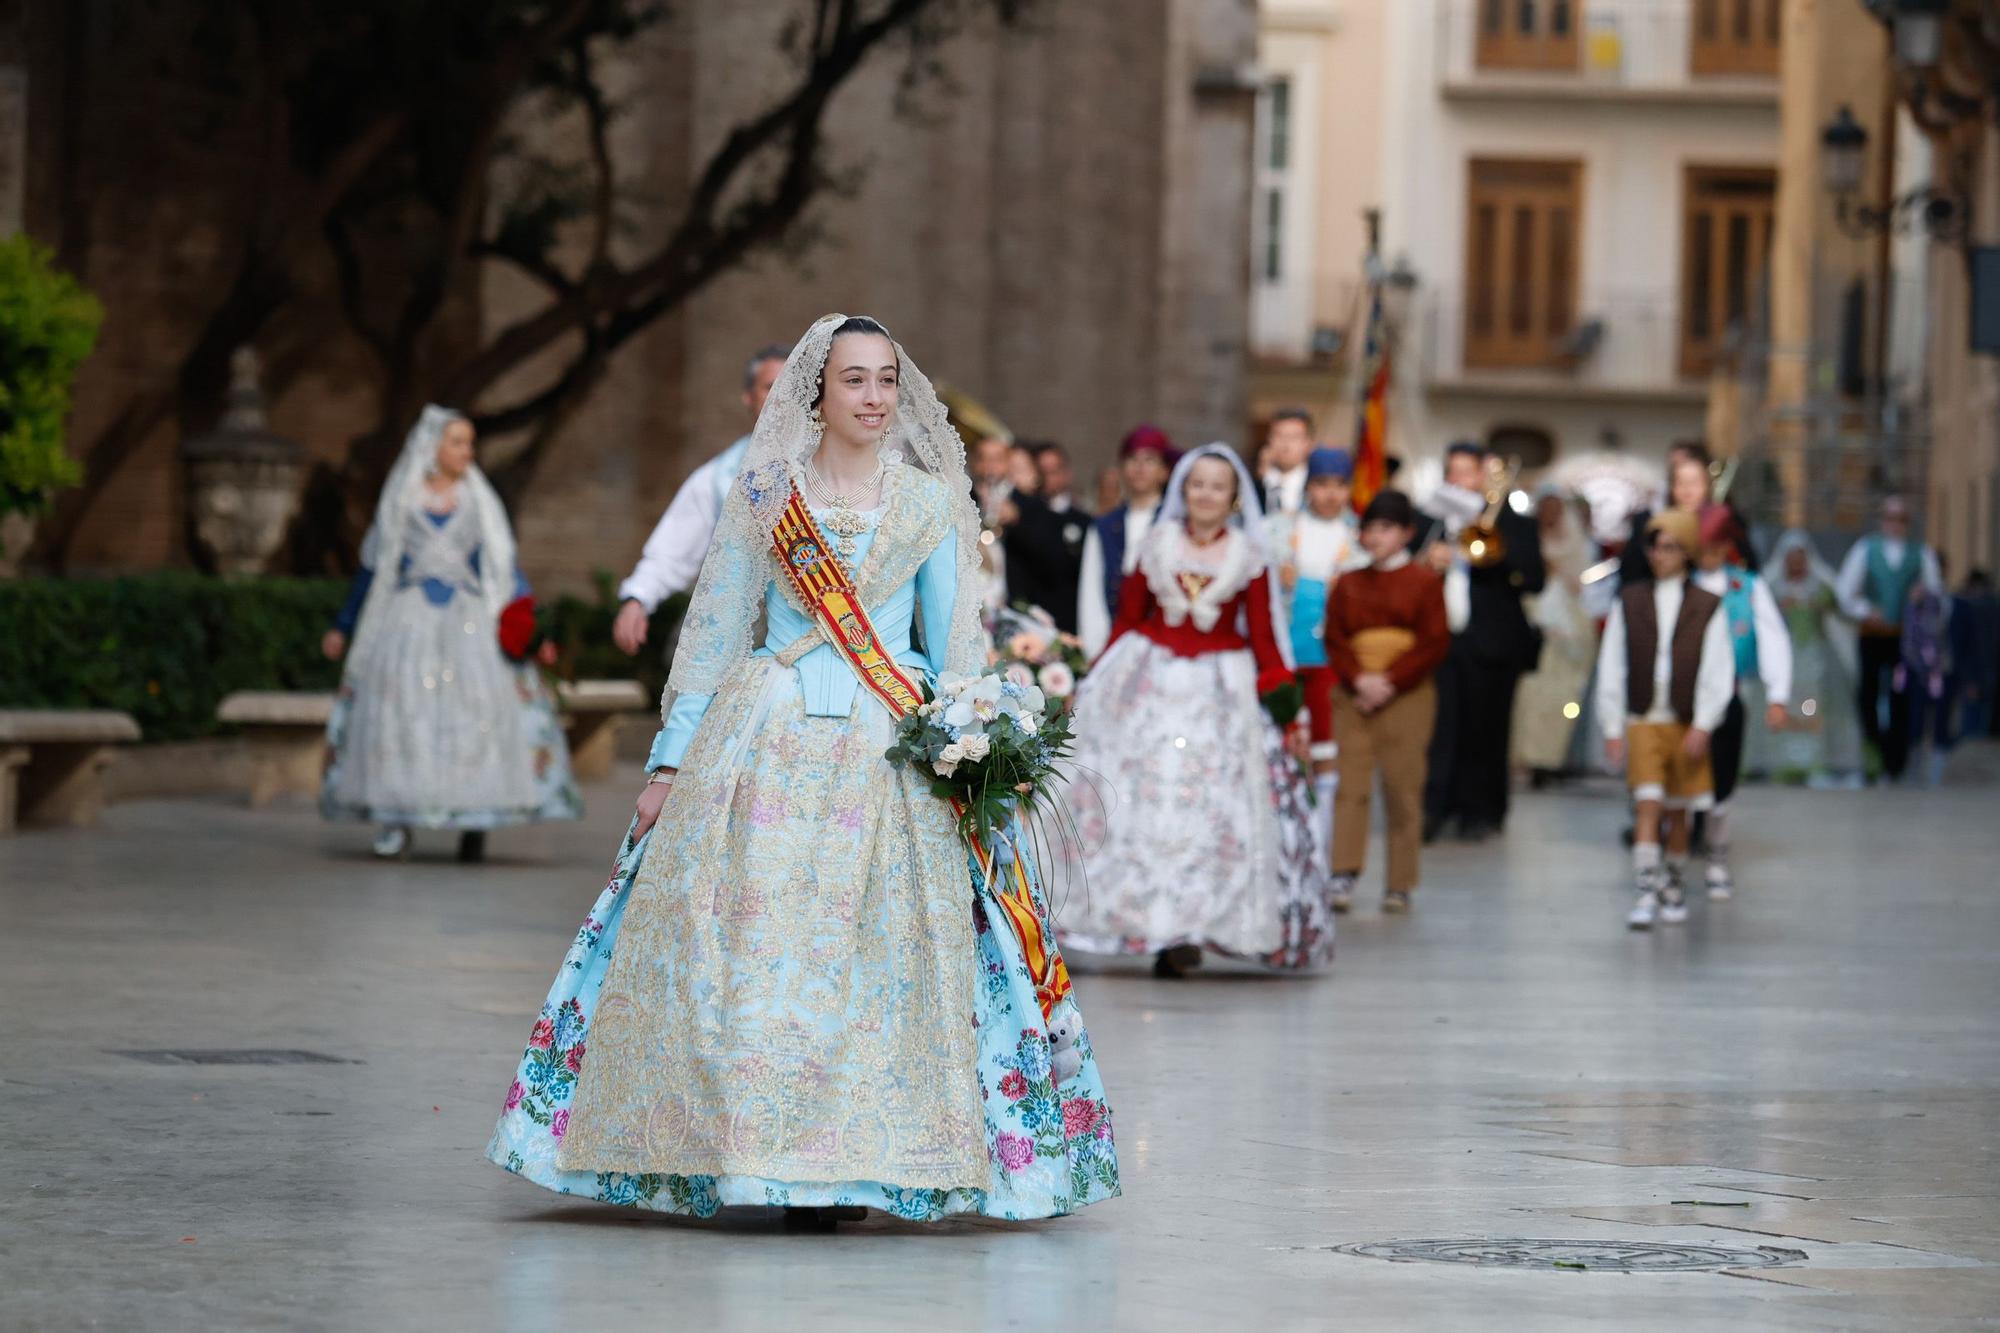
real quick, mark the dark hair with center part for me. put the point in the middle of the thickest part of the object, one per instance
(852, 324)
(1390, 507)
(1298, 414)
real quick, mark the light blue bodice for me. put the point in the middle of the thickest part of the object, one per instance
(827, 684)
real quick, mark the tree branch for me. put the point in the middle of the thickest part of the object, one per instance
(678, 267)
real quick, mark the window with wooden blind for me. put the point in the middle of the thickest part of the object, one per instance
(1522, 261)
(1726, 247)
(1529, 34)
(1736, 36)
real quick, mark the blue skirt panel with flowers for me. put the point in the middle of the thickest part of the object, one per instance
(1050, 1148)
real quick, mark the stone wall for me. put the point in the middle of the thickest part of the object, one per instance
(1061, 229)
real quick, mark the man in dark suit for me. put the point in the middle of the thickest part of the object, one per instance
(1492, 646)
(1039, 566)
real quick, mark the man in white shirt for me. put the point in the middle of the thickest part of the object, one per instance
(1146, 459)
(1665, 675)
(1874, 586)
(673, 555)
(1286, 447)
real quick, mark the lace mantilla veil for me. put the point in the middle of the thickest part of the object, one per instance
(716, 636)
(402, 494)
(1248, 521)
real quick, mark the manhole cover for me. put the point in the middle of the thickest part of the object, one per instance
(1617, 1256)
(242, 1057)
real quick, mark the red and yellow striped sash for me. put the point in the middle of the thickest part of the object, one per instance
(823, 586)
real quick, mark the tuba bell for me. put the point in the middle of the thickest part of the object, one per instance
(1481, 543)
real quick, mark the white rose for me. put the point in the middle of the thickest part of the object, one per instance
(1058, 680)
(1026, 722)
(976, 747)
(948, 759)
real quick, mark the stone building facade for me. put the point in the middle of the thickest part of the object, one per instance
(1059, 227)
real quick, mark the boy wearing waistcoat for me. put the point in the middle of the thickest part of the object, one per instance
(1761, 648)
(1315, 547)
(1665, 675)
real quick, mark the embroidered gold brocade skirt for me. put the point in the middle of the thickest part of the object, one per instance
(792, 993)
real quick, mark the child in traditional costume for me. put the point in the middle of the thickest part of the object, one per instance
(1198, 835)
(434, 727)
(1762, 652)
(1386, 633)
(1315, 547)
(1665, 675)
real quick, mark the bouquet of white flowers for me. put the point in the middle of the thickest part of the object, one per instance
(989, 745)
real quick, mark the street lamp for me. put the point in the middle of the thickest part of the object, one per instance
(1843, 158)
(1919, 29)
(1843, 147)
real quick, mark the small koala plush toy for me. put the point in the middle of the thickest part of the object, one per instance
(1065, 1031)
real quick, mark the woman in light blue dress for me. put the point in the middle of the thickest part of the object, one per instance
(433, 727)
(798, 990)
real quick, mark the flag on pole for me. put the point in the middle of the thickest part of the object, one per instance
(1371, 434)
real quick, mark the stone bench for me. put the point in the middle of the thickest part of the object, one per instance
(286, 735)
(592, 711)
(52, 763)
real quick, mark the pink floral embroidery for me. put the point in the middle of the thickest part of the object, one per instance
(1014, 1084)
(1015, 1152)
(543, 1035)
(575, 1059)
(514, 1095)
(559, 1126)
(1079, 1116)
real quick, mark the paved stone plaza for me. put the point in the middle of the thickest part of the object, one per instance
(1816, 1066)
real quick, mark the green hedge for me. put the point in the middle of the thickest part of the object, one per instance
(165, 648)
(168, 648)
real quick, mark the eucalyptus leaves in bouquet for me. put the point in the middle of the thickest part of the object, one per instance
(989, 745)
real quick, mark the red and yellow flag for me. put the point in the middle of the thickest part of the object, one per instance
(1371, 433)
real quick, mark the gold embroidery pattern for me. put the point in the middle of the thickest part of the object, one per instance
(792, 992)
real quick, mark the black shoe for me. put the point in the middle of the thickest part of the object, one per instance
(1473, 831)
(1177, 961)
(821, 1220)
(471, 848)
(1434, 826)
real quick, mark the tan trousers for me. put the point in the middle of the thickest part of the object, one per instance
(1394, 742)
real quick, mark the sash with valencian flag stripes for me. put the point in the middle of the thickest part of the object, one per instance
(823, 585)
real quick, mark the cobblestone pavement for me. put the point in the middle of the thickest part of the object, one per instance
(1804, 1084)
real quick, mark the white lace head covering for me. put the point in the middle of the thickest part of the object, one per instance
(403, 494)
(1247, 523)
(722, 615)
(1819, 574)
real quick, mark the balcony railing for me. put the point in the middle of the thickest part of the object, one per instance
(1676, 49)
(1619, 344)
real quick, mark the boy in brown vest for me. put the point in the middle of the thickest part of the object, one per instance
(1666, 672)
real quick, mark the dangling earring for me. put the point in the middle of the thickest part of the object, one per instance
(818, 423)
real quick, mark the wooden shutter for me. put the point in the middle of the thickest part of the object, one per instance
(1735, 36)
(1726, 247)
(1522, 260)
(1529, 34)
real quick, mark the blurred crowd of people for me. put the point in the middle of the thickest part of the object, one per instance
(1871, 670)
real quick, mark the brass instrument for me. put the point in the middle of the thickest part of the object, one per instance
(1481, 542)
